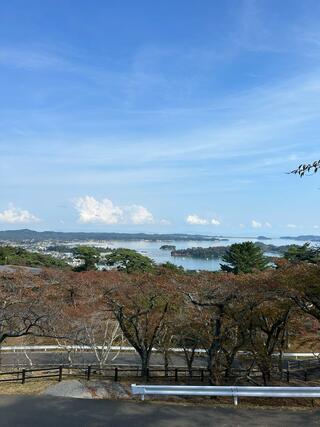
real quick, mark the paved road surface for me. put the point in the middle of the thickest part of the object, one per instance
(38, 411)
(55, 358)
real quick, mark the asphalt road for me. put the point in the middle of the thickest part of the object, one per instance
(87, 358)
(36, 411)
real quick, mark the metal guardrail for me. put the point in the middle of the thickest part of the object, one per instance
(232, 391)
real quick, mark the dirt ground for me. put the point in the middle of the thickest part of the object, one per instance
(29, 388)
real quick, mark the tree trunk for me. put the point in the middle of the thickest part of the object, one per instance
(189, 360)
(266, 374)
(166, 363)
(264, 378)
(215, 348)
(213, 367)
(229, 362)
(145, 361)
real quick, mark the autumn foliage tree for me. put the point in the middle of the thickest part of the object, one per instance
(187, 332)
(24, 308)
(266, 319)
(141, 303)
(222, 313)
(302, 285)
(213, 296)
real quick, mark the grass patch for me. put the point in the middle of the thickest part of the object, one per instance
(30, 387)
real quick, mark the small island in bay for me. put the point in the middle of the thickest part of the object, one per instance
(201, 253)
(168, 247)
(304, 238)
(219, 251)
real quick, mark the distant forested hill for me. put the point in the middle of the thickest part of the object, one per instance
(220, 251)
(30, 235)
(304, 238)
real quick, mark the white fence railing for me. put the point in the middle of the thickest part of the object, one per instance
(41, 348)
(232, 391)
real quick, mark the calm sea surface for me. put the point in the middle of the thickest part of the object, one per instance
(152, 250)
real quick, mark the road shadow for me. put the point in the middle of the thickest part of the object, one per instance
(47, 411)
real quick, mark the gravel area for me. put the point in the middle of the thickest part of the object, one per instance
(69, 388)
(89, 390)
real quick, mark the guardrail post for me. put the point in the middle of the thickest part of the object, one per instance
(89, 372)
(306, 375)
(201, 375)
(23, 379)
(60, 374)
(116, 374)
(176, 375)
(235, 400)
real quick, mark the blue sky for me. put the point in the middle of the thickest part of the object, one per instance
(159, 116)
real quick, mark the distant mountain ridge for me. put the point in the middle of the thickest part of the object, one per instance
(27, 235)
(31, 235)
(307, 237)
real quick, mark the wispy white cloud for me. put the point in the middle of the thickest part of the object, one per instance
(138, 214)
(164, 222)
(215, 221)
(249, 128)
(196, 220)
(33, 59)
(14, 215)
(254, 31)
(256, 224)
(291, 225)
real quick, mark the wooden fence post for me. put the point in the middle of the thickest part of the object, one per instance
(23, 380)
(116, 374)
(89, 372)
(60, 374)
(288, 375)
